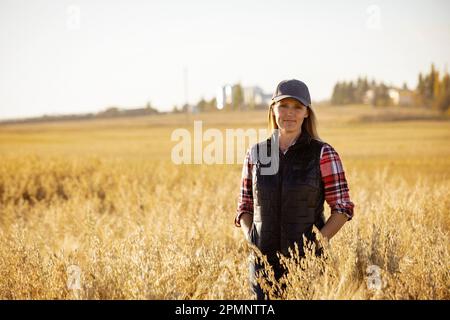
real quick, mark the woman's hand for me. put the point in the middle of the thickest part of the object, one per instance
(246, 222)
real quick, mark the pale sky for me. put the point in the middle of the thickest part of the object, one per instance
(59, 57)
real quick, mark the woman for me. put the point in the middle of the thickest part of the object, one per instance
(282, 196)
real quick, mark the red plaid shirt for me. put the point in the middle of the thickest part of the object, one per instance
(333, 177)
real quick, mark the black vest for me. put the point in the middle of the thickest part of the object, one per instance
(288, 203)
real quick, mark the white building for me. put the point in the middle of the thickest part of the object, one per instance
(399, 97)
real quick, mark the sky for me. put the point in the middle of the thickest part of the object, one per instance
(62, 57)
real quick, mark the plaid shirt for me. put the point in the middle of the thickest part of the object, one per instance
(333, 177)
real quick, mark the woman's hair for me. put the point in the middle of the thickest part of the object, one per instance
(309, 123)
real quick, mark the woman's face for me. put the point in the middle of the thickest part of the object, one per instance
(289, 115)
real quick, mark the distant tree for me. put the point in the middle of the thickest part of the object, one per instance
(436, 87)
(429, 84)
(361, 88)
(335, 97)
(382, 97)
(442, 100)
(212, 105)
(149, 109)
(345, 92)
(110, 112)
(201, 105)
(420, 91)
(433, 90)
(186, 108)
(204, 105)
(238, 96)
(175, 109)
(351, 90)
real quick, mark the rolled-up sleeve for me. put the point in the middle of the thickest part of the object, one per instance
(336, 188)
(245, 202)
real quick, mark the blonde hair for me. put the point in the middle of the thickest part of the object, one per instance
(309, 123)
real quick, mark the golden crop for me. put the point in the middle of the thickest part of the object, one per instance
(102, 198)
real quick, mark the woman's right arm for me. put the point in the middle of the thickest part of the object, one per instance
(244, 213)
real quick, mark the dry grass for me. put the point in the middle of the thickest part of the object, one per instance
(104, 196)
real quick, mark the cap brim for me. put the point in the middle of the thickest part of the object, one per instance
(279, 98)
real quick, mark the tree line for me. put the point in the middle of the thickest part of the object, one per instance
(357, 92)
(432, 91)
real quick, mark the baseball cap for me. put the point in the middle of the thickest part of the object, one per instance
(293, 88)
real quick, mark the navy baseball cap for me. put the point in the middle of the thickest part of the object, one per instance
(293, 88)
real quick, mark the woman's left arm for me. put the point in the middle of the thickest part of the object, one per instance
(334, 223)
(336, 191)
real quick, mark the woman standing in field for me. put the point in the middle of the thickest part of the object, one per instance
(283, 193)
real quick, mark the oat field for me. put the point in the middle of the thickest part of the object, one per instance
(97, 210)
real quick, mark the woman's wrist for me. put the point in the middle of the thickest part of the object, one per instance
(246, 221)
